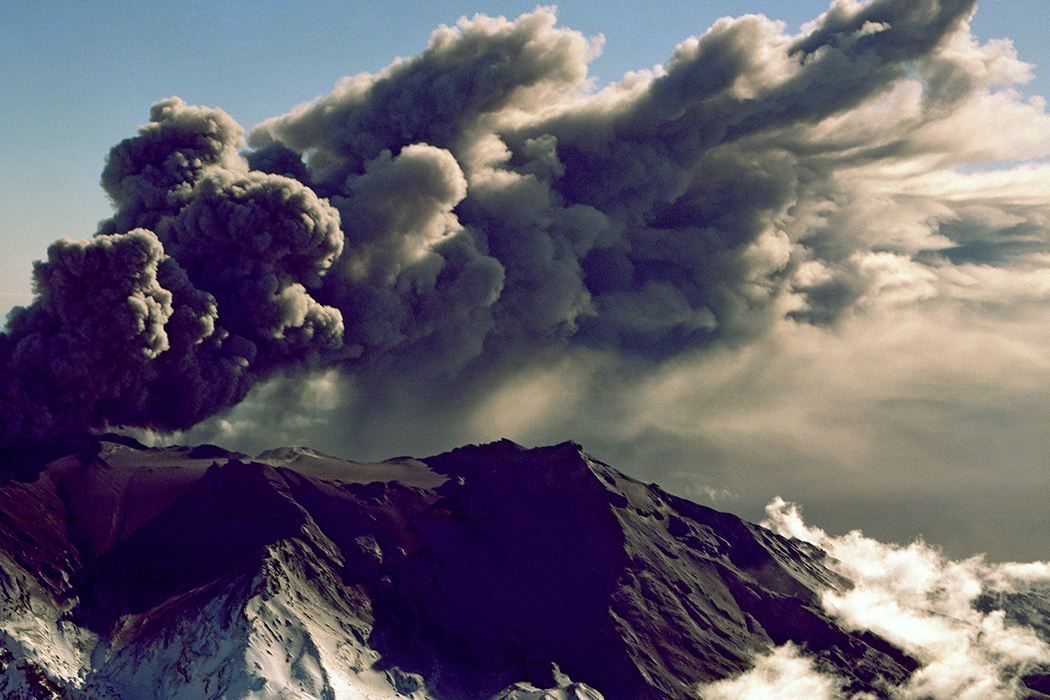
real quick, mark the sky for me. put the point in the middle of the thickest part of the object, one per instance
(715, 264)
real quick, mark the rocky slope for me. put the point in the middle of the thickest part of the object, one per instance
(488, 572)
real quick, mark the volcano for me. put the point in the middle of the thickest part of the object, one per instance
(487, 572)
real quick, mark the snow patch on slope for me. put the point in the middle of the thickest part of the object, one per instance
(310, 462)
(571, 691)
(290, 631)
(33, 627)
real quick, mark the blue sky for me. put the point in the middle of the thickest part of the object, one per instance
(79, 77)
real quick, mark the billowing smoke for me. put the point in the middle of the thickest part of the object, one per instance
(196, 289)
(477, 209)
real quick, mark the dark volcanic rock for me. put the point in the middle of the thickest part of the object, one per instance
(455, 577)
(552, 556)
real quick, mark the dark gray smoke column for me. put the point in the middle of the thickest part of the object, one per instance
(461, 210)
(191, 293)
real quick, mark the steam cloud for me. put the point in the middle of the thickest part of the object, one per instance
(478, 208)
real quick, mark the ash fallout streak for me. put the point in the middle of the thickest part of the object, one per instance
(479, 207)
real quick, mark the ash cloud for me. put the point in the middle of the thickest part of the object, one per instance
(437, 231)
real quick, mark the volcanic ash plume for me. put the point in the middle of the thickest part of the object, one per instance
(479, 205)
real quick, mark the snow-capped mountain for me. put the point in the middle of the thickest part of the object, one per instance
(490, 572)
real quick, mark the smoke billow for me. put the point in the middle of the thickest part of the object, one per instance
(192, 292)
(478, 208)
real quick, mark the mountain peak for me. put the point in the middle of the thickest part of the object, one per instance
(488, 571)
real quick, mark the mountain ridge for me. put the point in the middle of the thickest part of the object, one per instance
(496, 571)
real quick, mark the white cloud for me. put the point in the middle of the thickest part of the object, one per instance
(923, 602)
(783, 674)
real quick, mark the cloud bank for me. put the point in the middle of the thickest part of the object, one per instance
(783, 674)
(960, 619)
(771, 248)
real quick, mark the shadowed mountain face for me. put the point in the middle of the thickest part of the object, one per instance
(487, 571)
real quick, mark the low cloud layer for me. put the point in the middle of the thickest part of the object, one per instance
(772, 248)
(977, 629)
(783, 674)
